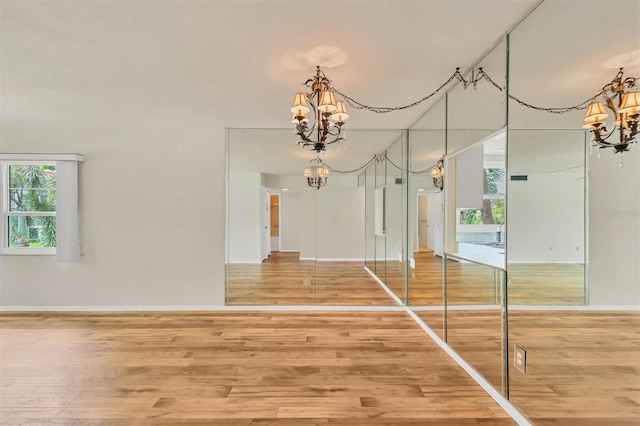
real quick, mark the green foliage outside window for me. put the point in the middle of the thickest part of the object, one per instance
(32, 189)
(492, 211)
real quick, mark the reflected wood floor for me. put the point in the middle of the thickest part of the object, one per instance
(583, 368)
(471, 284)
(234, 368)
(280, 280)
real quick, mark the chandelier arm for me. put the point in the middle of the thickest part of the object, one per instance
(602, 141)
(306, 136)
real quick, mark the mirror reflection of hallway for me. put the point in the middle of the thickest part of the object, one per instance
(313, 238)
(275, 222)
(425, 230)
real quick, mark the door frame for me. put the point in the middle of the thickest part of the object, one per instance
(430, 198)
(279, 195)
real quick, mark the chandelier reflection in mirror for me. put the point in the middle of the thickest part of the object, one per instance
(328, 114)
(317, 173)
(437, 174)
(626, 114)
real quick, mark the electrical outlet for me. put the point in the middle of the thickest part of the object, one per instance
(520, 358)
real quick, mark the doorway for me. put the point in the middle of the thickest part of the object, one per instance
(430, 223)
(275, 221)
(425, 231)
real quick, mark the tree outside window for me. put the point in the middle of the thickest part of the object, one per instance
(493, 205)
(32, 206)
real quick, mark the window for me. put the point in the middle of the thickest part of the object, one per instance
(29, 211)
(39, 199)
(493, 205)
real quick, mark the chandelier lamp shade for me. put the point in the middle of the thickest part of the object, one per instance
(317, 116)
(625, 114)
(317, 173)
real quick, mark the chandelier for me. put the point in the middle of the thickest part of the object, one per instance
(328, 115)
(437, 174)
(317, 173)
(626, 115)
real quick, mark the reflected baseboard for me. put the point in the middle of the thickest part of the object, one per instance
(529, 308)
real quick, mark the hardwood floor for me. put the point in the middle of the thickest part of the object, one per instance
(471, 284)
(280, 280)
(239, 368)
(583, 368)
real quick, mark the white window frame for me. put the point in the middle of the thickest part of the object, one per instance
(68, 238)
(6, 213)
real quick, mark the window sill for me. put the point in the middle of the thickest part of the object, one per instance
(28, 251)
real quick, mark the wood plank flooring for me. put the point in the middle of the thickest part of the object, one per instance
(583, 368)
(280, 281)
(471, 284)
(236, 368)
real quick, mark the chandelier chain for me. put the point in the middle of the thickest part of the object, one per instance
(553, 110)
(378, 158)
(456, 75)
(381, 110)
(344, 172)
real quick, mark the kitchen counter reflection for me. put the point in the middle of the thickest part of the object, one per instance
(490, 254)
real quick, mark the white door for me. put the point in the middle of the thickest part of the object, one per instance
(438, 224)
(265, 219)
(431, 215)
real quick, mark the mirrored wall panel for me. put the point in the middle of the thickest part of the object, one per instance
(293, 240)
(427, 146)
(394, 205)
(475, 218)
(572, 259)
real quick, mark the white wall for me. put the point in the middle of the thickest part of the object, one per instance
(152, 215)
(340, 222)
(614, 229)
(546, 218)
(244, 227)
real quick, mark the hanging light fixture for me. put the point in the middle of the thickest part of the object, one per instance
(317, 173)
(328, 114)
(437, 174)
(626, 115)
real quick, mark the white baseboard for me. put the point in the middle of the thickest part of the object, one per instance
(289, 251)
(593, 308)
(210, 308)
(457, 308)
(574, 308)
(340, 259)
(334, 259)
(235, 262)
(213, 308)
(544, 262)
(426, 308)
